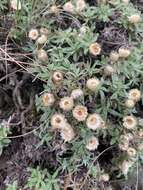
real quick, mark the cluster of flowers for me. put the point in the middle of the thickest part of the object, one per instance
(93, 121)
(79, 112)
(133, 19)
(81, 5)
(123, 53)
(127, 141)
(41, 37)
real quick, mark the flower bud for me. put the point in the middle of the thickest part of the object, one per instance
(124, 145)
(80, 5)
(76, 93)
(134, 19)
(134, 94)
(131, 152)
(114, 56)
(67, 133)
(140, 147)
(54, 9)
(68, 7)
(42, 39)
(44, 31)
(104, 177)
(57, 77)
(92, 84)
(92, 143)
(42, 55)
(129, 103)
(126, 166)
(109, 70)
(129, 136)
(48, 99)
(124, 53)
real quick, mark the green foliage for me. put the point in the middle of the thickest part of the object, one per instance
(4, 132)
(100, 13)
(3, 5)
(126, 11)
(68, 50)
(12, 186)
(42, 180)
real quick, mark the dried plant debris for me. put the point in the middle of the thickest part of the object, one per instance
(71, 95)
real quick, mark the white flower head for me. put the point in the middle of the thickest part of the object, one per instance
(33, 34)
(54, 9)
(15, 4)
(68, 7)
(114, 56)
(94, 121)
(76, 93)
(80, 113)
(67, 133)
(126, 1)
(125, 166)
(48, 99)
(44, 31)
(129, 136)
(109, 70)
(92, 84)
(129, 103)
(104, 177)
(83, 29)
(140, 133)
(58, 121)
(134, 94)
(80, 5)
(134, 19)
(140, 146)
(57, 77)
(129, 122)
(124, 52)
(66, 103)
(92, 143)
(42, 39)
(42, 55)
(95, 49)
(131, 152)
(124, 144)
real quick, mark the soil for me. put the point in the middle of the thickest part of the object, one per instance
(17, 93)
